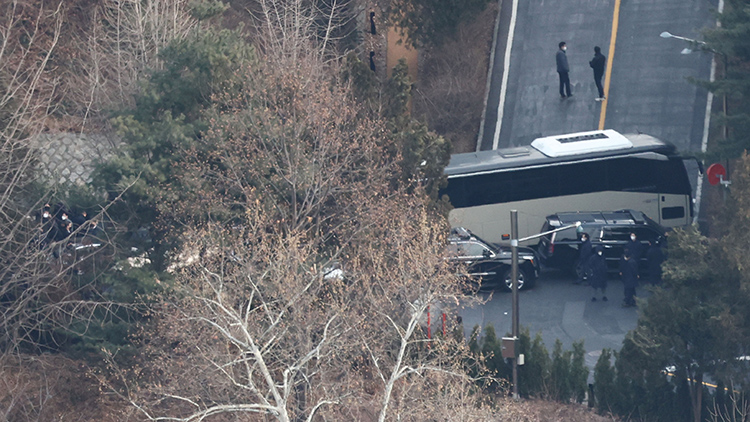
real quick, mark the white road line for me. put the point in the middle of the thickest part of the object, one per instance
(490, 69)
(706, 125)
(506, 68)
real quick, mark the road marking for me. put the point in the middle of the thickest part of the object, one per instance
(506, 70)
(490, 69)
(706, 126)
(608, 73)
(705, 383)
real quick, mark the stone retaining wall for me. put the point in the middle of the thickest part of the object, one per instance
(70, 157)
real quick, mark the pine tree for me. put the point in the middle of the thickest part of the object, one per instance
(560, 380)
(579, 373)
(494, 361)
(731, 43)
(604, 383)
(687, 325)
(534, 374)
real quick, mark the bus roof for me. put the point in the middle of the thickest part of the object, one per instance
(558, 150)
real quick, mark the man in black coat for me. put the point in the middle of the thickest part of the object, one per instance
(584, 253)
(598, 273)
(562, 70)
(597, 63)
(629, 274)
(654, 259)
(636, 248)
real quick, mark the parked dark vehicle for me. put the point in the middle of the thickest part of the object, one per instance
(489, 265)
(609, 229)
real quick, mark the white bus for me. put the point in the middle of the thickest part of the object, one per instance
(586, 171)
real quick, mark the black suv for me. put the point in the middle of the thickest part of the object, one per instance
(488, 265)
(608, 229)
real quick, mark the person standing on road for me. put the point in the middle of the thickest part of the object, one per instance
(597, 63)
(636, 249)
(598, 273)
(584, 254)
(562, 70)
(629, 275)
(654, 259)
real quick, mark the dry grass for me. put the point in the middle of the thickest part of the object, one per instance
(54, 388)
(452, 81)
(548, 411)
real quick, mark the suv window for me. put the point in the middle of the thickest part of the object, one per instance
(471, 249)
(644, 234)
(452, 249)
(623, 233)
(617, 233)
(566, 235)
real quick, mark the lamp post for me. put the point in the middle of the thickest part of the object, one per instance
(514, 241)
(701, 45)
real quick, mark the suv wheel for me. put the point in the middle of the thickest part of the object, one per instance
(522, 280)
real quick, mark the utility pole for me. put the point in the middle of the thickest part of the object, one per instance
(514, 241)
(514, 277)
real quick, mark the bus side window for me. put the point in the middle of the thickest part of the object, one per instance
(668, 213)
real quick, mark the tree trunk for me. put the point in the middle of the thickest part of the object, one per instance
(696, 395)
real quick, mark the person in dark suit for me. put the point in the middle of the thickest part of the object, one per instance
(80, 219)
(597, 63)
(629, 275)
(584, 253)
(563, 69)
(654, 259)
(637, 251)
(598, 273)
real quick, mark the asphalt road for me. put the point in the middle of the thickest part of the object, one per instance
(558, 309)
(648, 91)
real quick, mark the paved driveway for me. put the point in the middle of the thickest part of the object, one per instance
(648, 87)
(558, 309)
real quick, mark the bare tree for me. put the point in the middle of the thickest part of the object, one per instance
(122, 47)
(36, 293)
(316, 267)
(290, 30)
(736, 410)
(25, 103)
(259, 325)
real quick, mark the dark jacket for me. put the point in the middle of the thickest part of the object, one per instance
(585, 252)
(654, 258)
(597, 63)
(80, 219)
(562, 62)
(629, 272)
(635, 248)
(598, 270)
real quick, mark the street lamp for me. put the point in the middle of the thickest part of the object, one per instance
(514, 241)
(701, 45)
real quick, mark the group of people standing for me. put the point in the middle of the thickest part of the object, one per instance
(563, 70)
(592, 267)
(58, 223)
